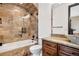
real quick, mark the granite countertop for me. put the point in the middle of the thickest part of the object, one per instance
(61, 40)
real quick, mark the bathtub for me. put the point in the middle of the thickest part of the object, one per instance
(14, 45)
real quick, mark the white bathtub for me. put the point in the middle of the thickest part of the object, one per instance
(11, 46)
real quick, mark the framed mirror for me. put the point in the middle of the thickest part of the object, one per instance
(73, 19)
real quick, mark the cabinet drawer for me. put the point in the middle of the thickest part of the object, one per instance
(50, 44)
(68, 50)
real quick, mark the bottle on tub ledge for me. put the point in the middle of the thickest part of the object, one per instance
(0, 44)
(33, 37)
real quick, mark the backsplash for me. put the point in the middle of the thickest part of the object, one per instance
(13, 27)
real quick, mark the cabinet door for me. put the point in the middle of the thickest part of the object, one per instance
(68, 51)
(49, 48)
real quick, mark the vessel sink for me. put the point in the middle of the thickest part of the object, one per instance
(73, 39)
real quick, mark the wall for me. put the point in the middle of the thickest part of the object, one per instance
(60, 19)
(44, 20)
(12, 22)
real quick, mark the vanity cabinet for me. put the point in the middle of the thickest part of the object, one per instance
(56, 49)
(49, 48)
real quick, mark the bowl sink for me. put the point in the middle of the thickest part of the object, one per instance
(74, 39)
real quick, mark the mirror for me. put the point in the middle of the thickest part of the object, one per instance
(74, 19)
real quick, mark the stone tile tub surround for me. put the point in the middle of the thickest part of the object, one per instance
(10, 27)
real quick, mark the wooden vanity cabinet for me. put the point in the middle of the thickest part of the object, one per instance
(49, 48)
(55, 49)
